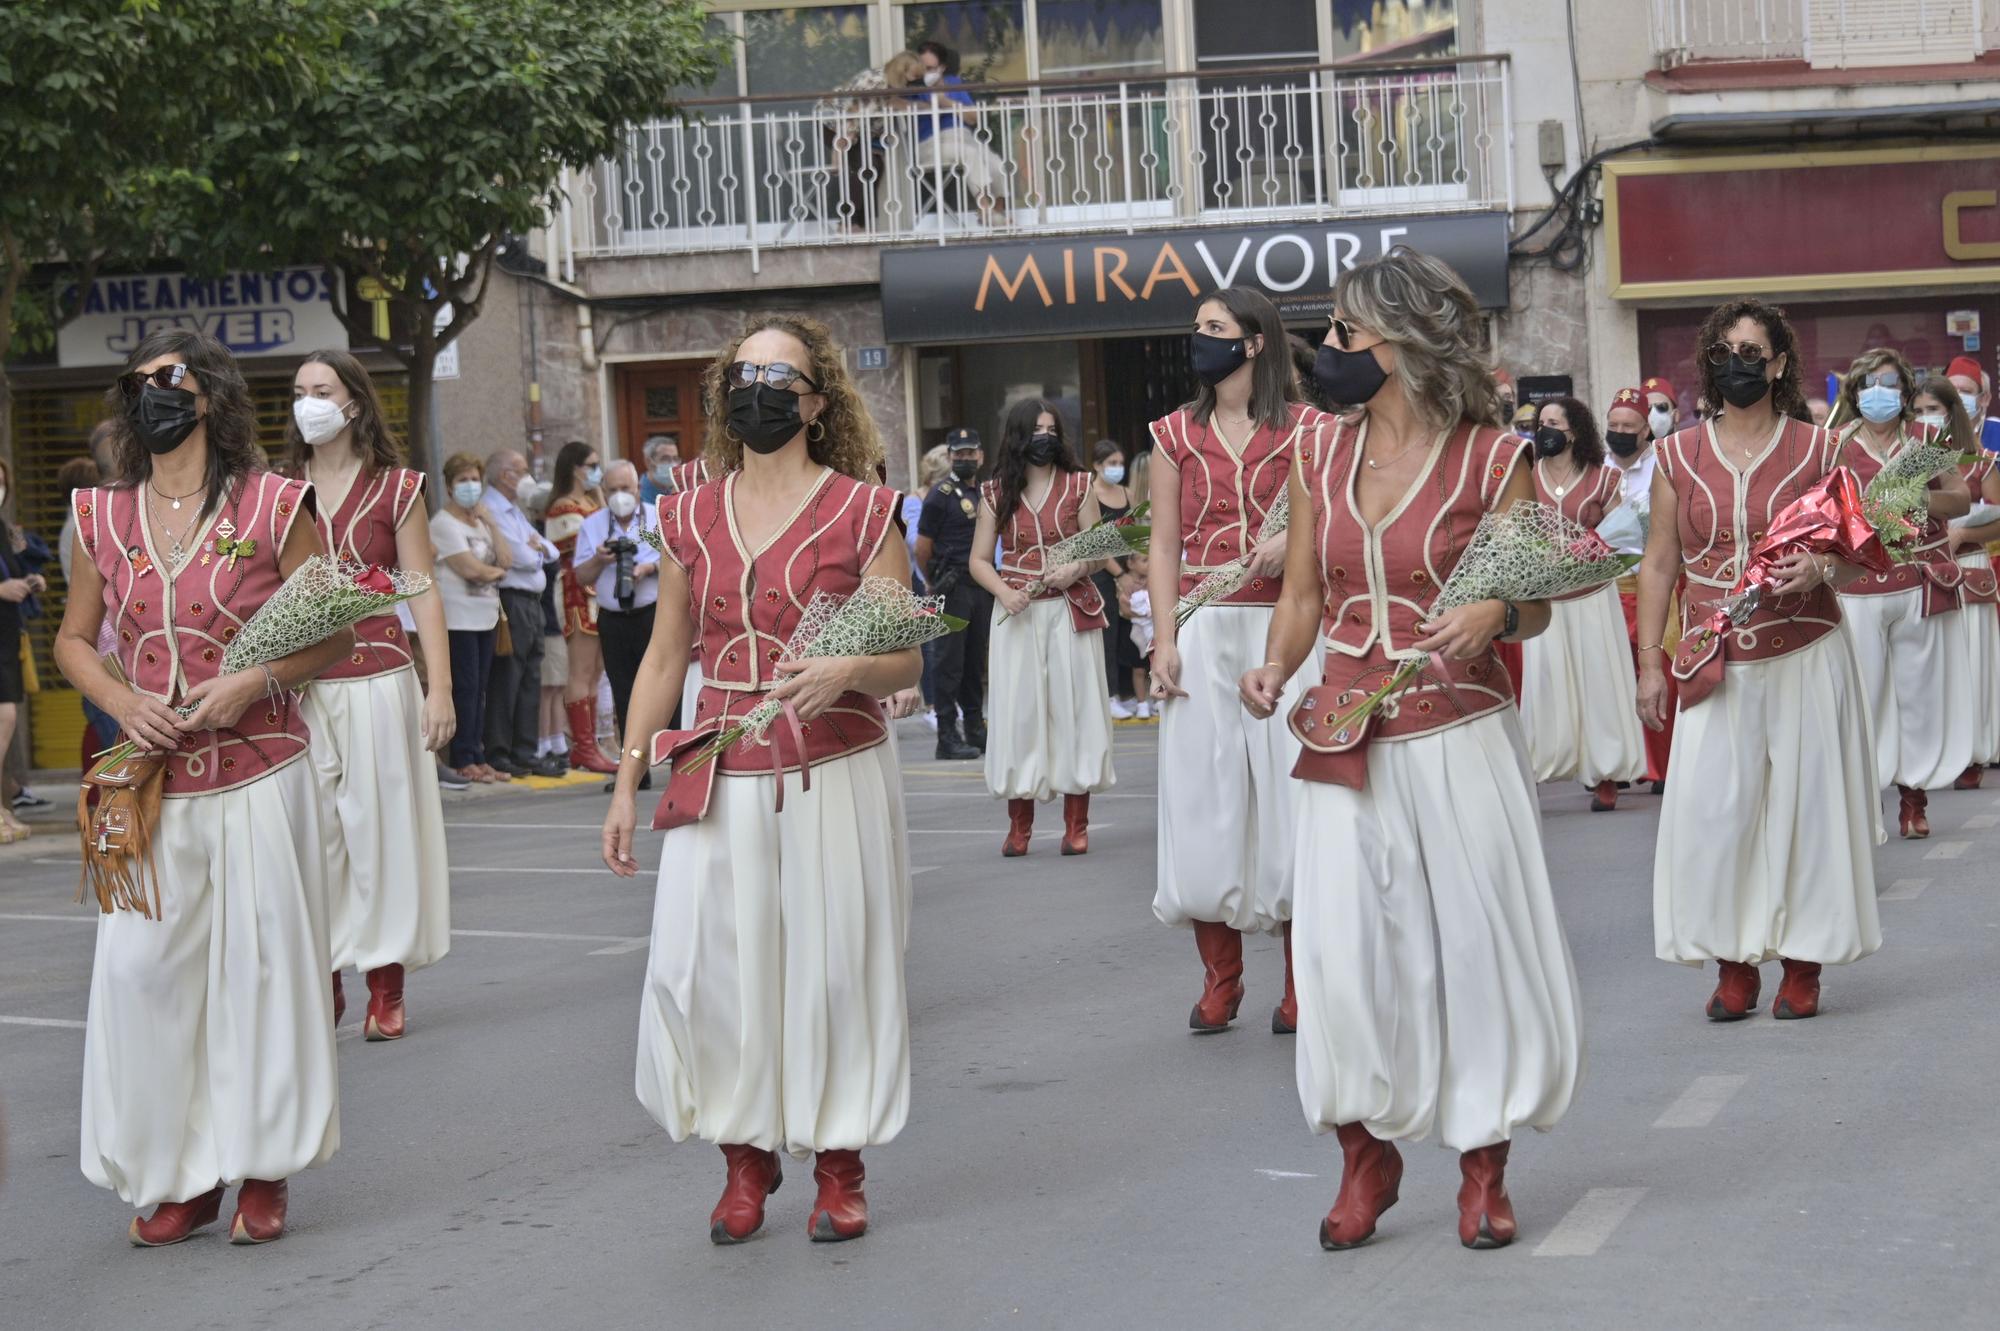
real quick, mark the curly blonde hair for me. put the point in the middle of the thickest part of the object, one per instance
(842, 437)
(1424, 310)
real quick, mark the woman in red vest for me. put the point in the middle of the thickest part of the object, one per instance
(208, 1057)
(774, 1016)
(1435, 986)
(1768, 829)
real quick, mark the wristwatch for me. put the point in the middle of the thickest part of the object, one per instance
(1513, 620)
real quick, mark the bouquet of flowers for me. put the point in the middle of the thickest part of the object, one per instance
(882, 616)
(322, 597)
(1113, 538)
(1897, 502)
(1529, 552)
(1224, 581)
(1626, 528)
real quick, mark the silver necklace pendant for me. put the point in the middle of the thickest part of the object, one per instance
(177, 505)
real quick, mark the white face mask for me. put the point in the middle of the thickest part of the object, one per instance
(932, 77)
(1114, 475)
(1662, 421)
(593, 476)
(623, 504)
(319, 418)
(1935, 421)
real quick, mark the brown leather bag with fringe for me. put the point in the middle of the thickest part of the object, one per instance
(118, 812)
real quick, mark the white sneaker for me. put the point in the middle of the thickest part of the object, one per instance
(930, 719)
(1122, 710)
(1145, 711)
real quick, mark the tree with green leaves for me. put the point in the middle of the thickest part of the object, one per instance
(442, 132)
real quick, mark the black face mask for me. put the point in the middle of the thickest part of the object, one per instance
(1741, 385)
(1216, 358)
(163, 418)
(1550, 442)
(763, 417)
(1041, 450)
(1348, 378)
(1624, 443)
(965, 468)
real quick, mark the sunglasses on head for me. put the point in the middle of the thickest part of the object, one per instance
(1748, 352)
(167, 376)
(778, 374)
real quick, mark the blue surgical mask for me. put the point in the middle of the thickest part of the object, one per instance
(1114, 475)
(593, 476)
(1880, 403)
(466, 493)
(1971, 401)
(663, 475)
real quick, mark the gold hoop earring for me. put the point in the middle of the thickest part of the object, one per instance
(816, 425)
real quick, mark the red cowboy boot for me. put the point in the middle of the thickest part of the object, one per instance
(1485, 1212)
(753, 1175)
(1912, 823)
(1371, 1172)
(385, 1019)
(1735, 993)
(1798, 992)
(1970, 778)
(1285, 1016)
(841, 1212)
(1076, 825)
(1020, 822)
(1221, 949)
(173, 1221)
(260, 1211)
(339, 1000)
(583, 752)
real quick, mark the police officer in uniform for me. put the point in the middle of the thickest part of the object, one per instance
(944, 552)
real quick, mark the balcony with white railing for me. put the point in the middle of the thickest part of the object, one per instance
(1826, 34)
(869, 169)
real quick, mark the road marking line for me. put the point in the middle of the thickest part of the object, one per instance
(925, 868)
(1700, 1102)
(1284, 1173)
(521, 871)
(547, 938)
(54, 919)
(1947, 850)
(1903, 889)
(619, 949)
(62, 1022)
(1590, 1222)
(1980, 821)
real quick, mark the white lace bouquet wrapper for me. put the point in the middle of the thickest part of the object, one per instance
(1529, 552)
(1898, 502)
(880, 617)
(1225, 581)
(1625, 529)
(1116, 538)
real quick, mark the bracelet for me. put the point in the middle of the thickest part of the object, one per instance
(636, 753)
(271, 686)
(1652, 646)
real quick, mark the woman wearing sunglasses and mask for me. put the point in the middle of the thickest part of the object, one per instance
(1768, 829)
(1941, 409)
(1048, 721)
(1579, 703)
(208, 1055)
(374, 732)
(1435, 986)
(1225, 835)
(1905, 624)
(774, 1017)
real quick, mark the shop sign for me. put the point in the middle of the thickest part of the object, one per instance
(1153, 280)
(272, 312)
(1775, 223)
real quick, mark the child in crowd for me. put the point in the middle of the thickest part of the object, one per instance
(1135, 603)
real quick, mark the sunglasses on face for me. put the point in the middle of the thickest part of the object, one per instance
(1882, 379)
(167, 376)
(778, 374)
(1748, 352)
(1345, 334)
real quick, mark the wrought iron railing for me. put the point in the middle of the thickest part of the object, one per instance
(1079, 156)
(1827, 33)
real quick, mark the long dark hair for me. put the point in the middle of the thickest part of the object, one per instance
(1788, 398)
(1274, 387)
(568, 462)
(1586, 444)
(378, 448)
(1958, 428)
(231, 420)
(1010, 464)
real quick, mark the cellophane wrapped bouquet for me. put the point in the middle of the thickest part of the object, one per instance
(1225, 581)
(1897, 502)
(1114, 538)
(879, 617)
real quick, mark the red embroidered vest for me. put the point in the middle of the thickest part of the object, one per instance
(1227, 493)
(364, 531)
(1585, 500)
(1028, 532)
(1380, 583)
(173, 630)
(1978, 588)
(687, 475)
(746, 604)
(1930, 564)
(561, 524)
(1722, 513)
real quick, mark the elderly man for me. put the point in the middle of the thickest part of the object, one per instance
(513, 707)
(662, 453)
(1975, 389)
(612, 556)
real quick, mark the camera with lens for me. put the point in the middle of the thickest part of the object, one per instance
(627, 552)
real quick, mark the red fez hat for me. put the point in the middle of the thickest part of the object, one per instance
(1629, 397)
(1658, 385)
(1964, 366)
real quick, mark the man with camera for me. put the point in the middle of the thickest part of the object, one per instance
(944, 552)
(611, 556)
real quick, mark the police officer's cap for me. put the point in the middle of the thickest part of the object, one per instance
(962, 439)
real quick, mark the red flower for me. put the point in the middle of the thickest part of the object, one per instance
(376, 580)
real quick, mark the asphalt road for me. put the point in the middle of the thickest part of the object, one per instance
(1075, 1157)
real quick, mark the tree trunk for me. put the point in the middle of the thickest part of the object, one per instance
(422, 436)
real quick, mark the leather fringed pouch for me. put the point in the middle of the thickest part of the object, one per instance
(118, 814)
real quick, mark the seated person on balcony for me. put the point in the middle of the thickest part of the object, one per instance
(855, 129)
(945, 139)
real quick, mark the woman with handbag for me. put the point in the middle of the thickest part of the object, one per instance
(208, 1053)
(774, 1017)
(578, 492)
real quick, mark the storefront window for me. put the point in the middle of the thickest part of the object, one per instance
(990, 36)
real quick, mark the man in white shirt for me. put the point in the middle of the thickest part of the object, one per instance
(513, 708)
(1631, 433)
(611, 555)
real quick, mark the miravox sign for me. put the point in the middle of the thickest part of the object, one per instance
(276, 312)
(1151, 282)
